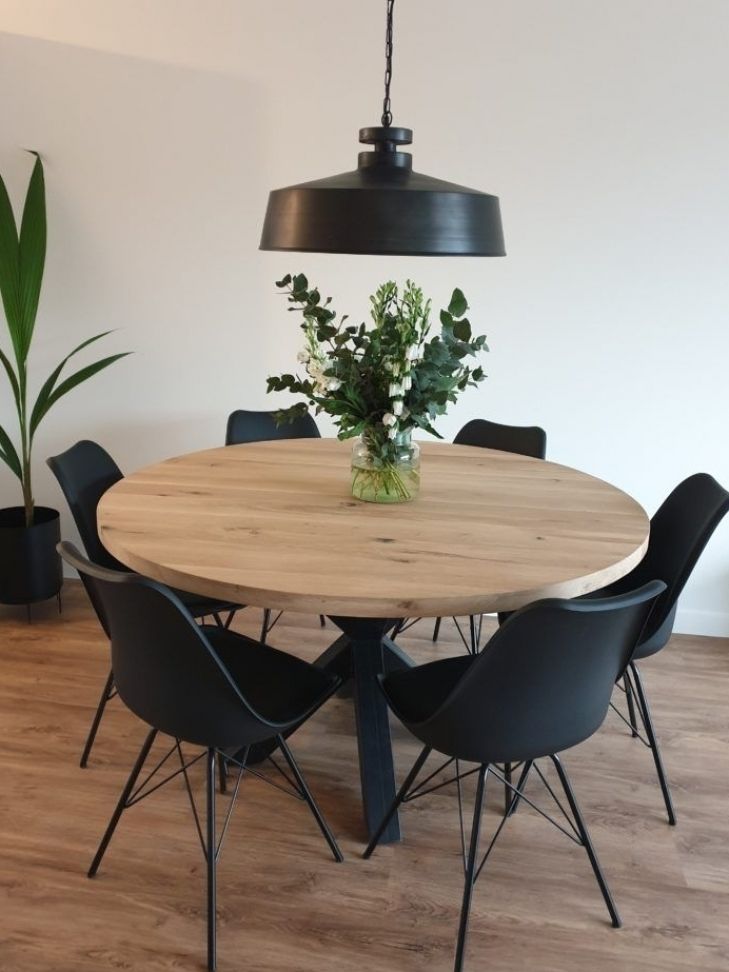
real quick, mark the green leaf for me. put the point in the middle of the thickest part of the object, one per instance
(458, 305)
(32, 251)
(8, 453)
(446, 319)
(285, 281)
(75, 379)
(286, 416)
(9, 271)
(344, 434)
(12, 378)
(462, 330)
(422, 423)
(41, 403)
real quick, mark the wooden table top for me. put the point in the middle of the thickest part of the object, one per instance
(273, 524)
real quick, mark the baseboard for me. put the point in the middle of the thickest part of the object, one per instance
(713, 623)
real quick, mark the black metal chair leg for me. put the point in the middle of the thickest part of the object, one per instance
(306, 793)
(586, 842)
(645, 713)
(394, 806)
(508, 793)
(470, 869)
(631, 706)
(211, 854)
(264, 626)
(436, 628)
(473, 635)
(105, 696)
(322, 621)
(515, 797)
(122, 803)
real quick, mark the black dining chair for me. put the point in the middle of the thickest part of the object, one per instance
(245, 427)
(84, 473)
(679, 532)
(542, 685)
(204, 686)
(522, 440)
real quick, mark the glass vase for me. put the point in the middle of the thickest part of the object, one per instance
(386, 472)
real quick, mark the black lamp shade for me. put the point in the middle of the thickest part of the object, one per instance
(383, 207)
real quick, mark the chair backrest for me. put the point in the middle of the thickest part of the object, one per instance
(165, 669)
(525, 440)
(84, 473)
(244, 426)
(544, 681)
(680, 529)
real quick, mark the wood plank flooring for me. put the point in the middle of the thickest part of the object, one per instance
(283, 903)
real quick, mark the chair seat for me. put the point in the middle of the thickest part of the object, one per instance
(415, 694)
(280, 687)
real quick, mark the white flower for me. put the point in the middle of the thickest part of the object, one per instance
(395, 389)
(407, 383)
(397, 406)
(388, 420)
(387, 365)
(413, 352)
(333, 384)
(303, 357)
(316, 369)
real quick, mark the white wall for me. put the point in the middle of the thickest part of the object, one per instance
(602, 126)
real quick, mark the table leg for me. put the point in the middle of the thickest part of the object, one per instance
(395, 658)
(337, 659)
(365, 652)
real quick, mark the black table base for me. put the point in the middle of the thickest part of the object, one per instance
(358, 656)
(361, 654)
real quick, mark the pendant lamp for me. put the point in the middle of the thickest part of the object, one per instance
(383, 206)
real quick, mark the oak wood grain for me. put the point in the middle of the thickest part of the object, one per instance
(273, 524)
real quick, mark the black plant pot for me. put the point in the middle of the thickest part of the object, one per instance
(30, 568)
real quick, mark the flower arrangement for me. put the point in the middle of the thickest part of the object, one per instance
(381, 382)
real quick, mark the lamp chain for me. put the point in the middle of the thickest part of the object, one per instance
(386, 106)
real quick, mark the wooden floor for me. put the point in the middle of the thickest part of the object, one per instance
(283, 903)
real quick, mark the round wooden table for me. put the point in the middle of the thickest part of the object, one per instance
(273, 524)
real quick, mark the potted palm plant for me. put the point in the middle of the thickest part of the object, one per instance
(30, 568)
